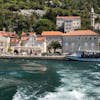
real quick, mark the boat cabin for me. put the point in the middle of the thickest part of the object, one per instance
(90, 54)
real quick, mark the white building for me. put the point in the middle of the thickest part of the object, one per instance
(30, 43)
(68, 23)
(31, 39)
(5, 41)
(80, 40)
(97, 26)
(27, 42)
(40, 44)
(51, 36)
(4, 44)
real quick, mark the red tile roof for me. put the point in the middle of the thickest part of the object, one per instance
(14, 40)
(80, 32)
(23, 33)
(40, 38)
(27, 33)
(7, 34)
(24, 38)
(68, 17)
(51, 33)
(31, 33)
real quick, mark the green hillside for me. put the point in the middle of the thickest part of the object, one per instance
(11, 20)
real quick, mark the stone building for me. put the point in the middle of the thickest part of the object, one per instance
(30, 39)
(6, 40)
(40, 44)
(80, 40)
(26, 43)
(68, 23)
(51, 36)
(4, 44)
(30, 43)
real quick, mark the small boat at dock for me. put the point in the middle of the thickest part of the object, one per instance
(85, 56)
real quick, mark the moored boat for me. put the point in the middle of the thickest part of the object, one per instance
(85, 56)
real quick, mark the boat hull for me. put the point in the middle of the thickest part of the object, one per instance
(83, 59)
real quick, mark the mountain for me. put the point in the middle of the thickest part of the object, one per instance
(13, 21)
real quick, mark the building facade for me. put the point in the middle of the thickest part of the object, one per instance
(51, 36)
(4, 44)
(6, 41)
(27, 43)
(30, 44)
(68, 23)
(80, 40)
(31, 39)
(40, 44)
(97, 26)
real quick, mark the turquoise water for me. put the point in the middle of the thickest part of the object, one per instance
(62, 80)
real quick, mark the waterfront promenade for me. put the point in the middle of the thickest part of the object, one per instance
(62, 57)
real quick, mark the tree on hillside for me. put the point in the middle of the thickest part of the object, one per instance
(10, 8)
(44, 25)
(55, 45)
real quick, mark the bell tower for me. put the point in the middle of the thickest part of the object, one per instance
(92, 17)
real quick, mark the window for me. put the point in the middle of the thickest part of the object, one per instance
(66, 44)
(79, 38)
(94, 38)
(90, 38)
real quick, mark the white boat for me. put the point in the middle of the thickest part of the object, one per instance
(85, 56)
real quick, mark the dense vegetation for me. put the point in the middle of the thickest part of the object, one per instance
(11, 20)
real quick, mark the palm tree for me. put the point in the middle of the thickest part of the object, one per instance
(49, 48)
(55, 45)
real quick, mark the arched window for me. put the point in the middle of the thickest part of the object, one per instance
(66, 44)
(72, 46)
(92, 46)
(85, 45)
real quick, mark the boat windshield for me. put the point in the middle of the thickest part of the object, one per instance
(77, 54)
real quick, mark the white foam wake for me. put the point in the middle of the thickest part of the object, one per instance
(62, 95)
(22, 94)
(70, 90)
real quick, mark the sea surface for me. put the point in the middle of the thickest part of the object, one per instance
(54, 80)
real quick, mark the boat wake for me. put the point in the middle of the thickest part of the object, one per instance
(66, 91)
(24, 94)
(61, 94)
(64, 95)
